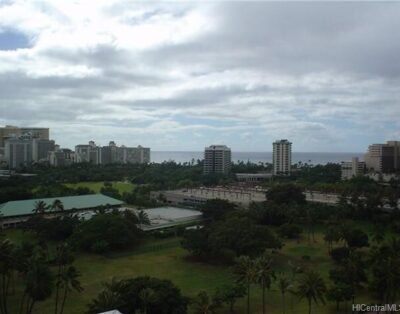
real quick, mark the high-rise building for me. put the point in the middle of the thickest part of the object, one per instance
(18, 152)
(41, 148)
(137, 155)
(61, 157)
(353, 168)
(384, 158)
(88, 153)
(24, 150)
(111, 154)
(10, 131)
(282, 157)
(217, 159)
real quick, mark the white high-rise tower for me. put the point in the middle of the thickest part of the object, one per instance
(282, 157)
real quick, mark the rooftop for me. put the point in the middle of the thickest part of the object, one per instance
(163, 217)
(26, 207)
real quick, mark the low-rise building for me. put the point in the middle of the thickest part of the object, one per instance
(253, 177)
(169, 217)
(14, 213)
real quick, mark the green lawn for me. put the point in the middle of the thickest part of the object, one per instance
(164, 258)
(96, 186)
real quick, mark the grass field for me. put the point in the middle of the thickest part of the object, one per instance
(164, 258)
(96, 186)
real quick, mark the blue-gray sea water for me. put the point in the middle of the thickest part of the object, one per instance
(256, 157)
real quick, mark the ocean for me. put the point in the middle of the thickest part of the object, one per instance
(256, 157)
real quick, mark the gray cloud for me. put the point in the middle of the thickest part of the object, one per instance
(245, 73)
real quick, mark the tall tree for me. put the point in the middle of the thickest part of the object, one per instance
(39, 282)
(63, 258)
(229, 294)
(311, 286)
(246, 272)
(284, 286)
(204, 304)
(7, 265)
(70, 281)
(40, 207)
(264, 274)
(57, 206)
(338, 293)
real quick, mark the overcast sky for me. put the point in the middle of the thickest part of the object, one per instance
(185, 75)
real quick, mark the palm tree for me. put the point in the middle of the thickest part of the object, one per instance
(57, 206)
(63, 258)
(40, 207)
(246, 272)
(7, 262)
(284, 286)
(264, 274)
(385, 262)
(38, 282)
(311, 286)
(203, 304)
(109, 298)
(70, 282)
(143, 218)
(331, 235)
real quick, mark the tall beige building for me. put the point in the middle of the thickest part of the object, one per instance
(282, 157)
(217, 159)
(353, 168)
(111, 154)
(384, 158)
(21, 151)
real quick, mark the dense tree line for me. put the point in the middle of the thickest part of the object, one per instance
(140, 295)
(42, 275)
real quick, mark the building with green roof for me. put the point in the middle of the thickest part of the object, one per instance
(15, 212)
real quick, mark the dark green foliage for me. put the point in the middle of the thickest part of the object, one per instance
(385, 269)
(329, 173)
(340, 254)
(15, 189)
(311, 287)
(216, 209)
(286, 194)
(39, 282)
(355, 238)
(203, 303)
(153, 295)
(232, 237)
(351, 271)
(140, 196)
(196, 241)
(229, 294)
(290, 231)
(110, 191)
(54, 229)
(339, 293)
(270, 213)
(105, 232)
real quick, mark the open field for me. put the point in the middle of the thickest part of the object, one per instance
(96, 186)
(164, 258)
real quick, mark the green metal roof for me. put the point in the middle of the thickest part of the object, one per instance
(26, 207)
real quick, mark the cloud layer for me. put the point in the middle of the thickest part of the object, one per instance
(184, 75)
